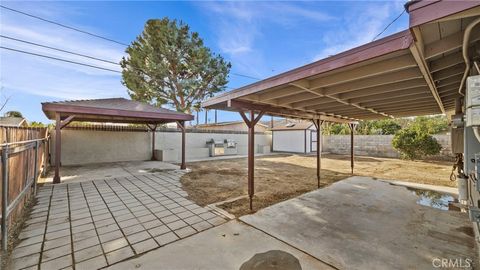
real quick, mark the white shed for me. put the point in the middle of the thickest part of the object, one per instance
(299, 137)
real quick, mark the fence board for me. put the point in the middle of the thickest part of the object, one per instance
(21, 164)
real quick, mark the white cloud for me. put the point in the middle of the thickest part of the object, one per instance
(58, 80)
(359, 28)
(239, 26)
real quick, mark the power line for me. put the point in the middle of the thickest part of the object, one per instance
(58, 49)
(63, 25)
(59, 59)
(245, 76)
(385, 29)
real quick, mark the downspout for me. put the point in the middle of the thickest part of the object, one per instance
(466, 38)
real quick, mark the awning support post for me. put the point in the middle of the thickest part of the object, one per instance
(318, 124)
(59, 124)
(251, 122)
(153, 130)
(352, 127)
(181, 125)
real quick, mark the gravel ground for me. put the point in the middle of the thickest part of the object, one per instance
(281, 177)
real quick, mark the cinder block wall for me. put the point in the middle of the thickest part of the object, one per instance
(84, 146)
(375, 145)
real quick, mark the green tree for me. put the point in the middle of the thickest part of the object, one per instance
(387, 126)
(168, 64)
(36, 124)
(13, 114)
(414, 144)
(430, 124)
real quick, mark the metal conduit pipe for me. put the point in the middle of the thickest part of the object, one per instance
(466, 38)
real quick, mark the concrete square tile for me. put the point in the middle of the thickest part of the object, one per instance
(84, 235)
(23, 262)
(114, 245)
(56, 252)
(133, 229)
(110, 236)
(119, 255)
(169, 219)
(56, 242)
(147, 218)
(203, 225)
(107, 228)
(166, 238)
(159, 230)
(58, 263)
(27, 250)
(193, 219)
(30, 241)
(88, 253)
(216, 221)
(177, 224)
(185, 231)
(93, 263)
(207, 215)
(152, 224)
(85, 243)
(138, 237)
(145, 246)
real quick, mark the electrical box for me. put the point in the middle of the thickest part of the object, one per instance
(473, 101)
(473, 91)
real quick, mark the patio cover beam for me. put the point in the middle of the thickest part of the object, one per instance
(251, 121)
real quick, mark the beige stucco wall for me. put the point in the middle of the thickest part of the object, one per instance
(93, 146)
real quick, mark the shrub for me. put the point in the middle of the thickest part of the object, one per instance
(414, 144)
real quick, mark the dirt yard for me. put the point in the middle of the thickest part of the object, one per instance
(281, 177)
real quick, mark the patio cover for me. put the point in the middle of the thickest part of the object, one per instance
(419, 71)
(114, 110)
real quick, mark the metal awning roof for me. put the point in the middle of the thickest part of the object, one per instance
(113, 110)
(413, 72)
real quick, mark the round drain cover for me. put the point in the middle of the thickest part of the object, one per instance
(272, 260)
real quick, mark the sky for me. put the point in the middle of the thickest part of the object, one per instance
(260, 39)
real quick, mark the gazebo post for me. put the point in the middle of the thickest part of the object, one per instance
(59, 124)
(251, 122)
(352, 127)
(181, 125)
(153, 129)
(58, 145)
(318, 124)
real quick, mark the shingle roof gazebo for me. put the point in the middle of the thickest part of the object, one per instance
(112, 110)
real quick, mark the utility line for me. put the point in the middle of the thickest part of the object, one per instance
(84, 32)
(58, 49)
(63, 25)
(59, 59)
(385, 29)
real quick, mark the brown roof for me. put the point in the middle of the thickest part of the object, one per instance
(12, 121)
(112, 110)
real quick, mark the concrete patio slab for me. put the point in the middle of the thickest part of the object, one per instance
(91, 224)
(361, 223)
(225, 247)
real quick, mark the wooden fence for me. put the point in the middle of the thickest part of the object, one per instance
(24, 156)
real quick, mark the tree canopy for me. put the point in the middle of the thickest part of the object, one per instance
(13, 114)
(169, 64)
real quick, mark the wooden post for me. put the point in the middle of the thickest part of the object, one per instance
(215, 116)
(153, 130)
(318, 124)
(251, 122)
(181, 125)
(58, 145)
(352, 127)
